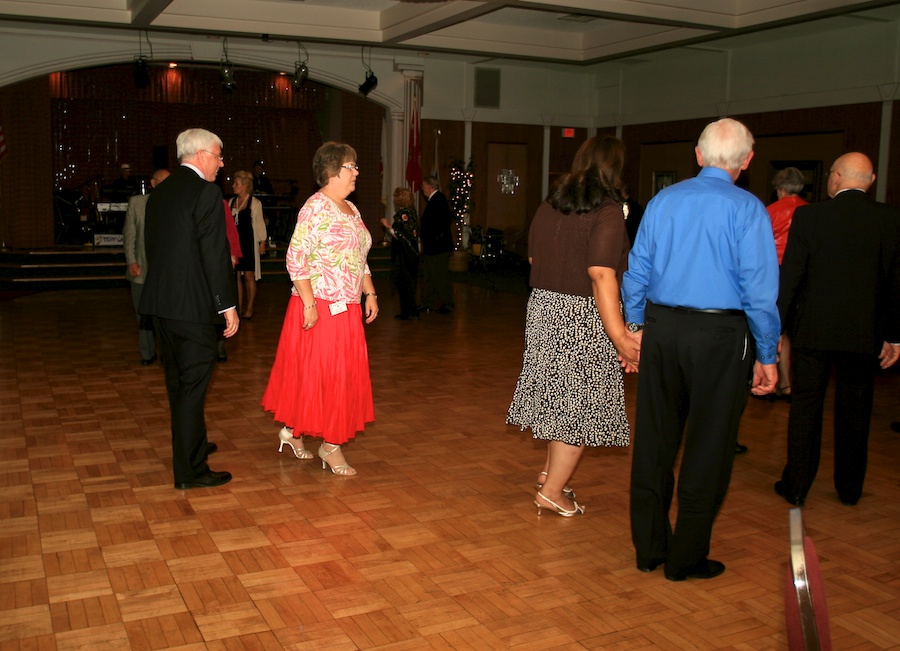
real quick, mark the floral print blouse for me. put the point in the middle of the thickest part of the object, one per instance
(329, 249)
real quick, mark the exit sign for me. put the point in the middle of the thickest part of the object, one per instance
(568, 132)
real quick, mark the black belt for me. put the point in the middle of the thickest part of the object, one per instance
(694, 310)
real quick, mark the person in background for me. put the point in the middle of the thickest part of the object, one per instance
(702, 282)
(403, 231)
(788, 184)
(136, 259)
(319, 384)
(124, 186)
(436, 246)
(234, 247)
(571, 390)
(261, 183)
(634, 213)
(248, 216)
(189, 290)
(840, 303)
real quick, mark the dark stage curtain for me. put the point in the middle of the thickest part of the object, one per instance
(101, 120)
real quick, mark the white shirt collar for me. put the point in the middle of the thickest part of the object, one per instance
(196, 169)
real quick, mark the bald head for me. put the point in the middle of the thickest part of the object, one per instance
(850, 171)
(158, 177)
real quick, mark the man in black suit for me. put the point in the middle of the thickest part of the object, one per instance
(436, 246)
(189, 288)
(840, 305)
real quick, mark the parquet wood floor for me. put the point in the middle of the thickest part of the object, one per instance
(434, 545)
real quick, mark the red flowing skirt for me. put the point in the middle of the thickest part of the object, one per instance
(320, 383)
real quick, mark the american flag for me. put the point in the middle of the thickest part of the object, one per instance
(2, 144)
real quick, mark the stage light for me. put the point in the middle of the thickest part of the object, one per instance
(301, 70)
(226, 70)
(140, 72)
(371, 81)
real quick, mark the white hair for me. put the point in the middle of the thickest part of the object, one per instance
(725, 144)
(189, 142)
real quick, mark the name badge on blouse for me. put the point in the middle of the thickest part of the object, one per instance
(337, 308)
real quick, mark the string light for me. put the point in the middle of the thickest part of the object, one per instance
(461, 177)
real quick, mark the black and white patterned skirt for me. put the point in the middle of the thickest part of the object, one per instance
(571, 386)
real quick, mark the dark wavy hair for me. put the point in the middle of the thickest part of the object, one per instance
(596, 176)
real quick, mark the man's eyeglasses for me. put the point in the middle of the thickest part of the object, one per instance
(214, 154)
(350, 166)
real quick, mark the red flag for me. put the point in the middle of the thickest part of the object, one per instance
(3, 147)
(414, 161)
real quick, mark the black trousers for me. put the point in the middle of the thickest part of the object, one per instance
(405, 274)
(692, 389)
(189, 357)
(437, 281)
(853, 395)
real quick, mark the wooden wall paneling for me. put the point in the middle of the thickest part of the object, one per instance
(26, 178)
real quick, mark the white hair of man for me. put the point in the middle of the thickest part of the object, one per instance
(189, 142)
(725, 144)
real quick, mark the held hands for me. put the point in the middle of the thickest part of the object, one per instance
(629, 348)
(765, 377)
(889, 355)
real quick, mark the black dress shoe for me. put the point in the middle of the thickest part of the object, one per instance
(846, 501)
(207, 480)
(210, 448)
(781, 489)
(222, 357)
(705, 570)
(148, 362)
(443, 309)
(895, 426)
(652, 565)
(740, 449)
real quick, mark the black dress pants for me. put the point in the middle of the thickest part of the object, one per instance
(189, 357)
(692, 389)
(853, 395)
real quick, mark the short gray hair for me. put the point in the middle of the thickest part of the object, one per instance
(725, 144)
(189, 142)
(790, 179)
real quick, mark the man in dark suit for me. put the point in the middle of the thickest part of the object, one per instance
(840, 305)
(436, 246)
(189, 288)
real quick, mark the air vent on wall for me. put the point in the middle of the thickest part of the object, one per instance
(487, 88)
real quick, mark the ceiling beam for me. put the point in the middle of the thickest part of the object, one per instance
(144, 12)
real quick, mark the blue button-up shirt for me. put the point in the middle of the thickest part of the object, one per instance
(706, 244)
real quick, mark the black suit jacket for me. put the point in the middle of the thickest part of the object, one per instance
(189, 274)
(435, 225)
(840, 276)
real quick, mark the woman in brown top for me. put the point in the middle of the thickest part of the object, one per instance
(571, 389)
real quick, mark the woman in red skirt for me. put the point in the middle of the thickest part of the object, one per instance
(319, 385)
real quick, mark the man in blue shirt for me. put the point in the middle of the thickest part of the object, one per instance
(702, 281)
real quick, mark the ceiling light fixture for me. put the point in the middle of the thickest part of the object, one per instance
(371, 80)
(301, 70)
(226, 70)
(140, 72)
